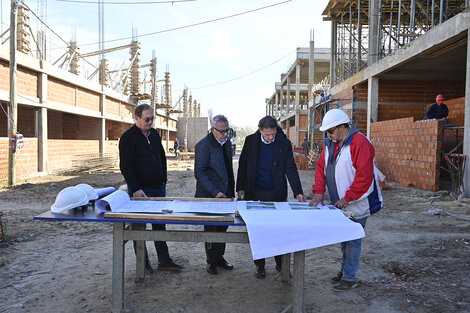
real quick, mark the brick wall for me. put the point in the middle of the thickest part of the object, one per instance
(26, 160)
(61, 152)
(3, 120)
(4, 75)
(88, 100)
(27, 82)
(26, 121)
(409, 152)
(55, 129)
(112, 107)
(61, 92)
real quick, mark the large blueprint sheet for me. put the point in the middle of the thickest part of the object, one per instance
(276, 232)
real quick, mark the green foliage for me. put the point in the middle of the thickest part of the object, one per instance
(242, 132)
(3, 262)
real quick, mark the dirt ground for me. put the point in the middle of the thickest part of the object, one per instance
(412, 260)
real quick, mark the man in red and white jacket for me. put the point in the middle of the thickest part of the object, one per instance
(346, 167)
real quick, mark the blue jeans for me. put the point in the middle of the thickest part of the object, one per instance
(160, 246)
(351, 255)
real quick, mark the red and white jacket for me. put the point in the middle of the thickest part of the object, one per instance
(349, 172)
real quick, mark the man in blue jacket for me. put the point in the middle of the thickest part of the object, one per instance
(265, 162)
(142, 161)
(213, 170)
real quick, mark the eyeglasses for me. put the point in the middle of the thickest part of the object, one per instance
(149, 119)
(331, 130)
(222, 131)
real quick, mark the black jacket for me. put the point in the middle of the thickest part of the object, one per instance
(284, 166)
(142, 162)
(210, 168)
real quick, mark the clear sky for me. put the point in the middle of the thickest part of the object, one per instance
(200, 57)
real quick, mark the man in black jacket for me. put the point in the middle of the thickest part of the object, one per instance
(143, 165)
(265, 162)
(213, 170)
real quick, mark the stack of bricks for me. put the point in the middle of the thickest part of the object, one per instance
(409, 152)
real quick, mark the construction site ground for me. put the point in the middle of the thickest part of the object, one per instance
(412, 260)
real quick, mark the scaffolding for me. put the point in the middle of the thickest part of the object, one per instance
(398, 23)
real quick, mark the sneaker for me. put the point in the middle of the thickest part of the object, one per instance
(344, 285)
(169, 265)
(260, 272)
(337, 278)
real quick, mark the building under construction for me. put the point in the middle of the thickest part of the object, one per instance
(389, 60)
(289, 103)
(55, 116)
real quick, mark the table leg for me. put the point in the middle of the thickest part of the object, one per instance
(140, 254)
(298, 289)
(118, 267)
(285, 270)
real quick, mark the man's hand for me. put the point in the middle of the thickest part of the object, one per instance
(301, 198)
(241, 194)
(341, 203)
(139, 193)
(317, 198)
(220, 195)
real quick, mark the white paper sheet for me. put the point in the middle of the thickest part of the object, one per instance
(119, 201)
(276, 232)
(102, 192)
(204, 207)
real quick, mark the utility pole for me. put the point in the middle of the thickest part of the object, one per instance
(12, 109)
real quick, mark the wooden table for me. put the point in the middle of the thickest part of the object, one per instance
(132, 227)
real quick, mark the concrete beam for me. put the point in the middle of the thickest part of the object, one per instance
(372, 102)
(453, 27)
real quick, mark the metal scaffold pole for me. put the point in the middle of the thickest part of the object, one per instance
(12, 109)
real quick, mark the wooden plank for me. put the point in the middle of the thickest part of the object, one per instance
(169, 217)
(182, 199)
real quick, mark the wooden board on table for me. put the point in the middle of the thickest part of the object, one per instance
(169, 217)
(182, 199)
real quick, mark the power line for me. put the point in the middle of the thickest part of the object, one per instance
(195, 24)
(137, 2)
(245, 75)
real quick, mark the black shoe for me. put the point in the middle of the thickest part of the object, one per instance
(211, 269)
(260, 272)
(225, 265)
(337, 278)
(169, 265)
(344, 285)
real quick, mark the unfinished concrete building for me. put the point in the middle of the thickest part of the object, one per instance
(389, 60)
(67, 119)
(289, 102)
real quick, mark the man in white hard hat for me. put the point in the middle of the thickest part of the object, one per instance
(346, 168)
(142, 161)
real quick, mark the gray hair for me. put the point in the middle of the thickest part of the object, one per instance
(140, 108)
(219, 118)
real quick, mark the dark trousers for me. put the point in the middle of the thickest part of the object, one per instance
(160, 246)
(215, 250)
(266, 195)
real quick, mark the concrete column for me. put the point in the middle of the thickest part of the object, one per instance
(311, 80)
(297, 87)
(281, 100)
(374, 8)
(334, 36)
(276, 104)
(287, 128)
(42, 122)
(372, 102)
(102, 125)
(288, 94)
(466, 138)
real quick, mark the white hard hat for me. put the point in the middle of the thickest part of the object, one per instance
(332, 118)
(69, 198)
(90, 191)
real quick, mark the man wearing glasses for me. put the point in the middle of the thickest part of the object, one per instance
(213, 170)
(265, 162)
(346, 167)
(142, 161)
